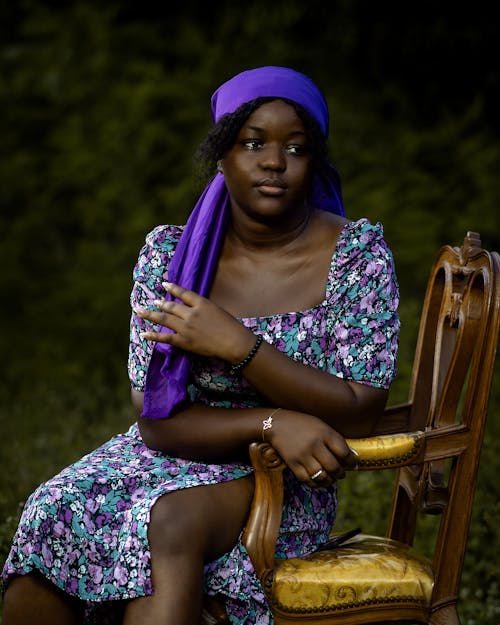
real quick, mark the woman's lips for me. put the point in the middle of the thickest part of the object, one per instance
(271, 186)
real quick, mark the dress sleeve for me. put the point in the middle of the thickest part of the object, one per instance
(363, 321)
(149, 273)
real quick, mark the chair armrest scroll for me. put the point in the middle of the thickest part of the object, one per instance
(261, 531)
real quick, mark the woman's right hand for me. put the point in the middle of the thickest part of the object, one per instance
(310, 447)
(198, 326)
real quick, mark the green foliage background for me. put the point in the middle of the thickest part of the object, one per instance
(103, 106)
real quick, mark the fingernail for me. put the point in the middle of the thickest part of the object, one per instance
(166, 285)
(143, 335)
(157, 302)
(354, 451)
(139, 309)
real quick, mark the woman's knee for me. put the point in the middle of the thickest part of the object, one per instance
(204, 520)
(176, 523)
(32, 598)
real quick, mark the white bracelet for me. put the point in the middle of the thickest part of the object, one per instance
(267, 423)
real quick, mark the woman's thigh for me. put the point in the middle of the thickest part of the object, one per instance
(204, 519)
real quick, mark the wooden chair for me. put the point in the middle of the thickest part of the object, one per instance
(434, 440)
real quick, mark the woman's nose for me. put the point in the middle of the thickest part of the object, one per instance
(273, 158)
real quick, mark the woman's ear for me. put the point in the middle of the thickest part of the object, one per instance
(219, 166)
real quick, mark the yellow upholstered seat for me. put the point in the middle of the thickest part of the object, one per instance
(367, 571)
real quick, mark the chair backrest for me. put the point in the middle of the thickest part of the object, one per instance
(449, 394)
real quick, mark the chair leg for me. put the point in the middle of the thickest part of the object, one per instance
(447, 615)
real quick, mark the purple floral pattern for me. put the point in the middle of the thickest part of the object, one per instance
(86, 528)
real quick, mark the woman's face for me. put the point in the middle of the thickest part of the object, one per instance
(267, 170)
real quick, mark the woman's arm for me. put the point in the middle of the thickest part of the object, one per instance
(305, 442)
(350, 407)
(203, 328)
(200, 431)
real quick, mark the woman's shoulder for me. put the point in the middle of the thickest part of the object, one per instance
(363, 230)
(157, 252)
(362, 238)
(361, 250)
(164, 238)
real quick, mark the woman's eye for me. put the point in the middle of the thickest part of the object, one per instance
(251, 144)
(296, 149)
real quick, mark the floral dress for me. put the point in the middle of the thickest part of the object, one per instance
(86, 528)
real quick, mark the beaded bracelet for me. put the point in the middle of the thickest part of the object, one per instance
(251, 354)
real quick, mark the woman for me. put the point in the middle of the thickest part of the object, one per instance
(269, 315)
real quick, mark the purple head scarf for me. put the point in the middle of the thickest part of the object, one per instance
(195, 258)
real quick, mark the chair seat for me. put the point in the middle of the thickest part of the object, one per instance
(366, 571)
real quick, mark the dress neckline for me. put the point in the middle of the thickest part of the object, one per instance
(308, 311)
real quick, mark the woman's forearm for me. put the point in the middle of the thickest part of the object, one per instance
(351, 408)
(305, 442)
(204, 432)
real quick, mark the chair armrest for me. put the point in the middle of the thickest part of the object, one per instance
(388, 451)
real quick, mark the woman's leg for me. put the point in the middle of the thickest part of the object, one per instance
(32, 599)
(187, 529)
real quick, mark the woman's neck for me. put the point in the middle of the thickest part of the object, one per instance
(250, 234)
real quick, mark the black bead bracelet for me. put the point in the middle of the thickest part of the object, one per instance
(251, 354)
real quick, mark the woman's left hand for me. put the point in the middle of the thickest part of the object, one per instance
(198, 326)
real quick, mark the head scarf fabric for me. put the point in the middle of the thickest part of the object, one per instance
(195, 259)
